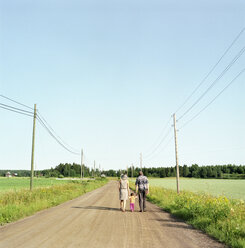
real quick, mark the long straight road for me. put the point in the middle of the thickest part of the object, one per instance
(94, 220)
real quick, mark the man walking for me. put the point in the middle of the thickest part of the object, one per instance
(142, 187)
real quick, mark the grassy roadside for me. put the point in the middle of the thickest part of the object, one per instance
(22, 203)
(219, 217)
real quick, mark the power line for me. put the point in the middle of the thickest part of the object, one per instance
(56, 139)
(232, 81)
(215, 81)
(156, 142)
(15, 101)
(204, 79)
(163, 139)
(238, 55)
(16, 111)
(212, 69)
(166, 145)
(48, 125)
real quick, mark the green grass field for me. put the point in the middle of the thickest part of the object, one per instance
(17, 204)
(233, 189)
(15, 183)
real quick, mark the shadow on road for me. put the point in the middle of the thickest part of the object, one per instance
(98, 208)
(174, 223)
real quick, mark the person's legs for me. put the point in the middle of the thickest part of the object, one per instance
(124, 205)
(141, 200)
(121, 204)
(144, 200)
(132, 207)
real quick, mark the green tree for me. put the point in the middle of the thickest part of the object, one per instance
(186, 172)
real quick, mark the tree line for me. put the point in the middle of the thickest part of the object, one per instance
(195, 171)
(61, 170)
(69, 170)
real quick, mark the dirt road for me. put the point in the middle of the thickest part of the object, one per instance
(93, 220)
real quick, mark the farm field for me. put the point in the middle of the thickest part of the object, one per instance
(233, 189)
(16, 183)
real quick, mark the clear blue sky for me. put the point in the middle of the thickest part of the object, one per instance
(108, 75)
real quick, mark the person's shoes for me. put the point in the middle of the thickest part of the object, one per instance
(144, 210)
(141, 210)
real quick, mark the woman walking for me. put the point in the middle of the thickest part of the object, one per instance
(123, 191)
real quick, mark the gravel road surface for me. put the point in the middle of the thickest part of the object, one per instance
(94, 220)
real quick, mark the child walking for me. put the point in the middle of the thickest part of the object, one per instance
(132, 198)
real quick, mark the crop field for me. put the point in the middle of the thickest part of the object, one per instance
(232, 189)
(16, 183)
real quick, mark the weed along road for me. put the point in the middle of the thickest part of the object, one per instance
(94, 220)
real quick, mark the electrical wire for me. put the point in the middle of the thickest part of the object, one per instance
(157, 140)
(215, 81)
(166, 145)
(151, 154)
(212, 69)
(41, 120)
(55, 138)
(15, 101)
(48, 125)
(156, 148)
(16, 111)
(232, 81)
(201, 83)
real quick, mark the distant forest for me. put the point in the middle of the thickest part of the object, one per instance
(217, 171)
(74, 170)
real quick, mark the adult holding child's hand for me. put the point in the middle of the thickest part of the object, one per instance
(142, 188)
(123, 191)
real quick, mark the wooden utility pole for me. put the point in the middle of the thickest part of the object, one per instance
(35, 170)
(176, 154)
(33, 146)
(82, 169)
(141, 161)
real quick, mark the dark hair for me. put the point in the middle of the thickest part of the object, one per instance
(141, 173)
(132, 193)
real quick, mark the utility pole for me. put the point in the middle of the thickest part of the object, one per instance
(176, 154)
(141, 161)
(33, 145)
(127, 169)
(35, 170)
(94, 168)
(82, 170)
